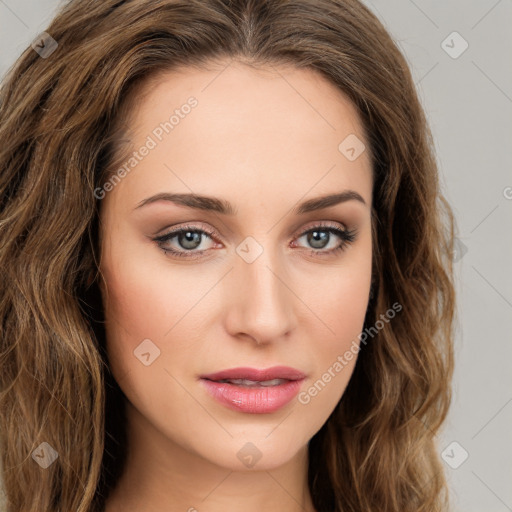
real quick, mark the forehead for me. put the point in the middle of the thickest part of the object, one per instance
(252, 132)
(252, 97)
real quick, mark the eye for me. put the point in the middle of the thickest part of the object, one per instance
(320, 236)
(184, 241)
(188, 238)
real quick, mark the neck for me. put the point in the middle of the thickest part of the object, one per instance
(163, 476)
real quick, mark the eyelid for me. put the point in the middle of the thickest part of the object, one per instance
(320, 224)
(199, 226)
(213, 234)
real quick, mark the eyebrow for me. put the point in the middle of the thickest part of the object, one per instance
(224, 207)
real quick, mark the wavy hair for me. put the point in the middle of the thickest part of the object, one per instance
(62, 122)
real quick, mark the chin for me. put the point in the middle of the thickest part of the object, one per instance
(254, 451)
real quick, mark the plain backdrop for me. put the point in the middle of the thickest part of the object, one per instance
(457, 51)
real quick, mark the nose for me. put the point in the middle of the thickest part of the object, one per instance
(261, 302)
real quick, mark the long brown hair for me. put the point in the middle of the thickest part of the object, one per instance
(61, 131)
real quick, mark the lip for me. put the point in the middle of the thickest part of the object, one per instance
(275, 372)
(254, 400)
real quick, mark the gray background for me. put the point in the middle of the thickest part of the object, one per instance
(468, 100)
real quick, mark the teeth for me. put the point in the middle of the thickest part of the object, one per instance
(273, 382)
(254, 383)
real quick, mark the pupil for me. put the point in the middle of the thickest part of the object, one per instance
(318, 239)
(191, 239)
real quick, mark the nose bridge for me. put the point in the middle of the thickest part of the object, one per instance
(262, 305)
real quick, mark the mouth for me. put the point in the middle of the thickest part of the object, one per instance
(246, 383)
(254, 391)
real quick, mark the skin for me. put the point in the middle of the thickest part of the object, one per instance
(265, 140)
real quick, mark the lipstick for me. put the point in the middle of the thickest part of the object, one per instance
(254, 391)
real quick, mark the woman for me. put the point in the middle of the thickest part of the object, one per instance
(227, 264)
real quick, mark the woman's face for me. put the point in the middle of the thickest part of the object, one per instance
(247, 286)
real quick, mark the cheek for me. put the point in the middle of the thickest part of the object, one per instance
(143, 314)
(147, 299)
(139, 305)
(134, 303)
(339, 303)
(334, 355)
(338, 296)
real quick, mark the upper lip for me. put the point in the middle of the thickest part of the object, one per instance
(275, 372)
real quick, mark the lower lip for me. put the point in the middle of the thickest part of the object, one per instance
(254, 400)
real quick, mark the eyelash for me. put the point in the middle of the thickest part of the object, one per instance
(347, 237)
